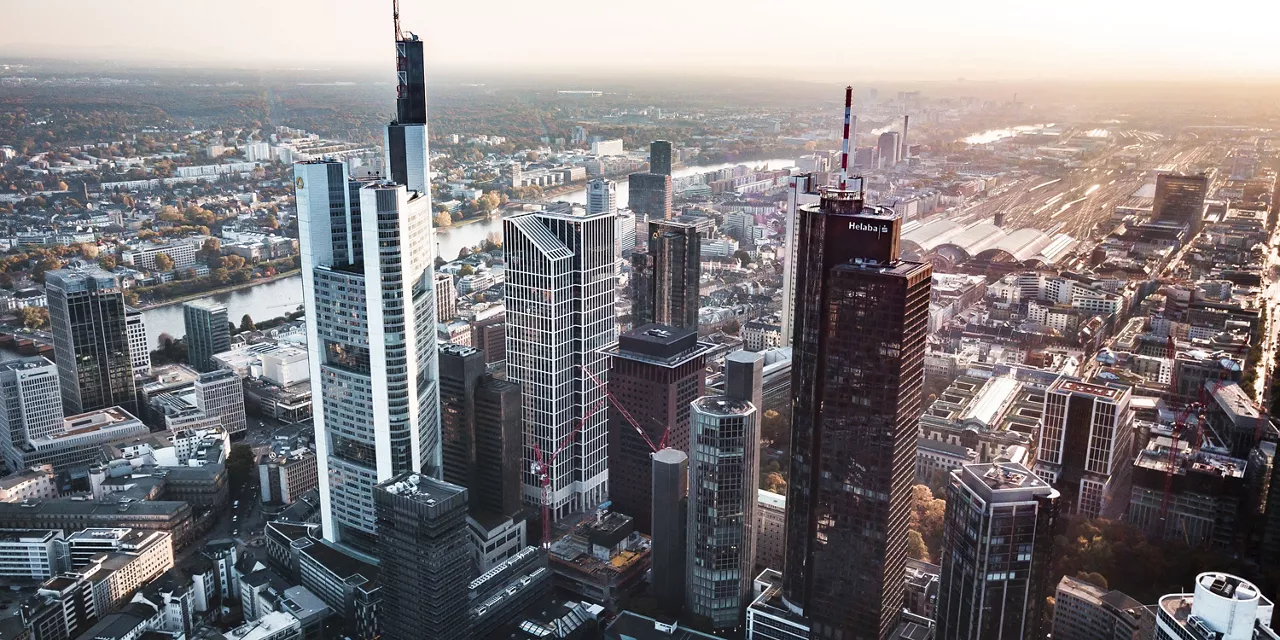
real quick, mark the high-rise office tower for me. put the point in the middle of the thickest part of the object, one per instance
(446, 298)
(30, 406)
(1000, 524)
(1222, 607)
(602, 196)
(139, 351)
(722, 504)
(889, 147)
(665, 278)
(480, 430)
(207, 332)
(660, 157)
(670, 513)
(371, 337)
(560, 312)
(724, 463)
(221, 393)
(856, 375)
(649, 196)
(489, 334)
(1180, 198)
(367, 276)
(655, 371)
(801, 189)
(1086, 445)
(424, 560)
(90, 339)
(626, 232)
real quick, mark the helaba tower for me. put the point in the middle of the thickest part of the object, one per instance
(368, 283)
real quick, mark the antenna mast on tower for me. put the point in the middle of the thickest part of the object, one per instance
(395, 17)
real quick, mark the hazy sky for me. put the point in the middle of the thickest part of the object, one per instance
(808, 39)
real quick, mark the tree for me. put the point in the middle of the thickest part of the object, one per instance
(210, 251)
(464, 252)
(271, 222)
(531, 156)
(775, 483)
(49, 263)
(239, 466)
(439, 262)
(163, 262)
(88, 250)
(732, 326)
(1092, 577)
(928, 515)
(916, 547)
(34, 317)
(742, 257)
(489, 201)
(466, 270)
(233, 262)
(443, 219)
(246, 323)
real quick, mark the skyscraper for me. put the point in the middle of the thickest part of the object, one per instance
(660, 157)
(424, 563)
(665, 278)
(889, 147)
(670, 515)
(801, 189)
(723, 483)
(602, 196)
(371, 337)
(560, 313)
(1000, 524)
(90, 339)
(649, 196)
(139, 349)
(1222, 607)
(30, 406)
(857, 371)
(655, 371)
(221, 393)
(1180, 198)
(1086, 445)
(724, 463)
(480, 427)
(367, 277)
(207, 332)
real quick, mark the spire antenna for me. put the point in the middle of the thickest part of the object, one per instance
(844, 155)
(395, 17)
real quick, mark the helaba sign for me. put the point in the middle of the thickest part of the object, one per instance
(867, 226)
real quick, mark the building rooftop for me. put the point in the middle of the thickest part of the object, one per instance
(1085, 388)
(633, 626)
(423, 488)
(722, 406)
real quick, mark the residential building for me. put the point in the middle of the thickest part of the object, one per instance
(560, 294)
(723, 461)
(1000, 523)
(139, 348)
(655, 371)
(220, 394)
(1084, 611)
(423, 558)
(857, 372)
(1222, 607)
(665, 279)
(208, 332)
(1086, 445)
(36, 483)
(761, 336)
(90, 339)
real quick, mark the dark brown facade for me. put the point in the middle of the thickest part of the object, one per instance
(655, 372)
(665, 278)
(860, 327)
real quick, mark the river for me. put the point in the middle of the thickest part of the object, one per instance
(274, 299)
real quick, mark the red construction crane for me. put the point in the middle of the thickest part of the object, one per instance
(542, 468)
(626, 415)
(1178, 434)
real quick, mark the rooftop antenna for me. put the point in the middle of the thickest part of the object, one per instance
(395, 16)
(844, 155)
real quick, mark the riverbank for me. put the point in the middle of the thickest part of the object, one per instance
(227, 289)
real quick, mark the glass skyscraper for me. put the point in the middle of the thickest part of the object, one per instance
(90, 339)
(861, 318)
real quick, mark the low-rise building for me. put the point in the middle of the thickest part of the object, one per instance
(1084, 611)
(285, 476)
(771, 529)
(31, 553)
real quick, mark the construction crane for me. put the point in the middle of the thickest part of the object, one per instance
(626, 415)
(1171, 465)
(542, 467)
